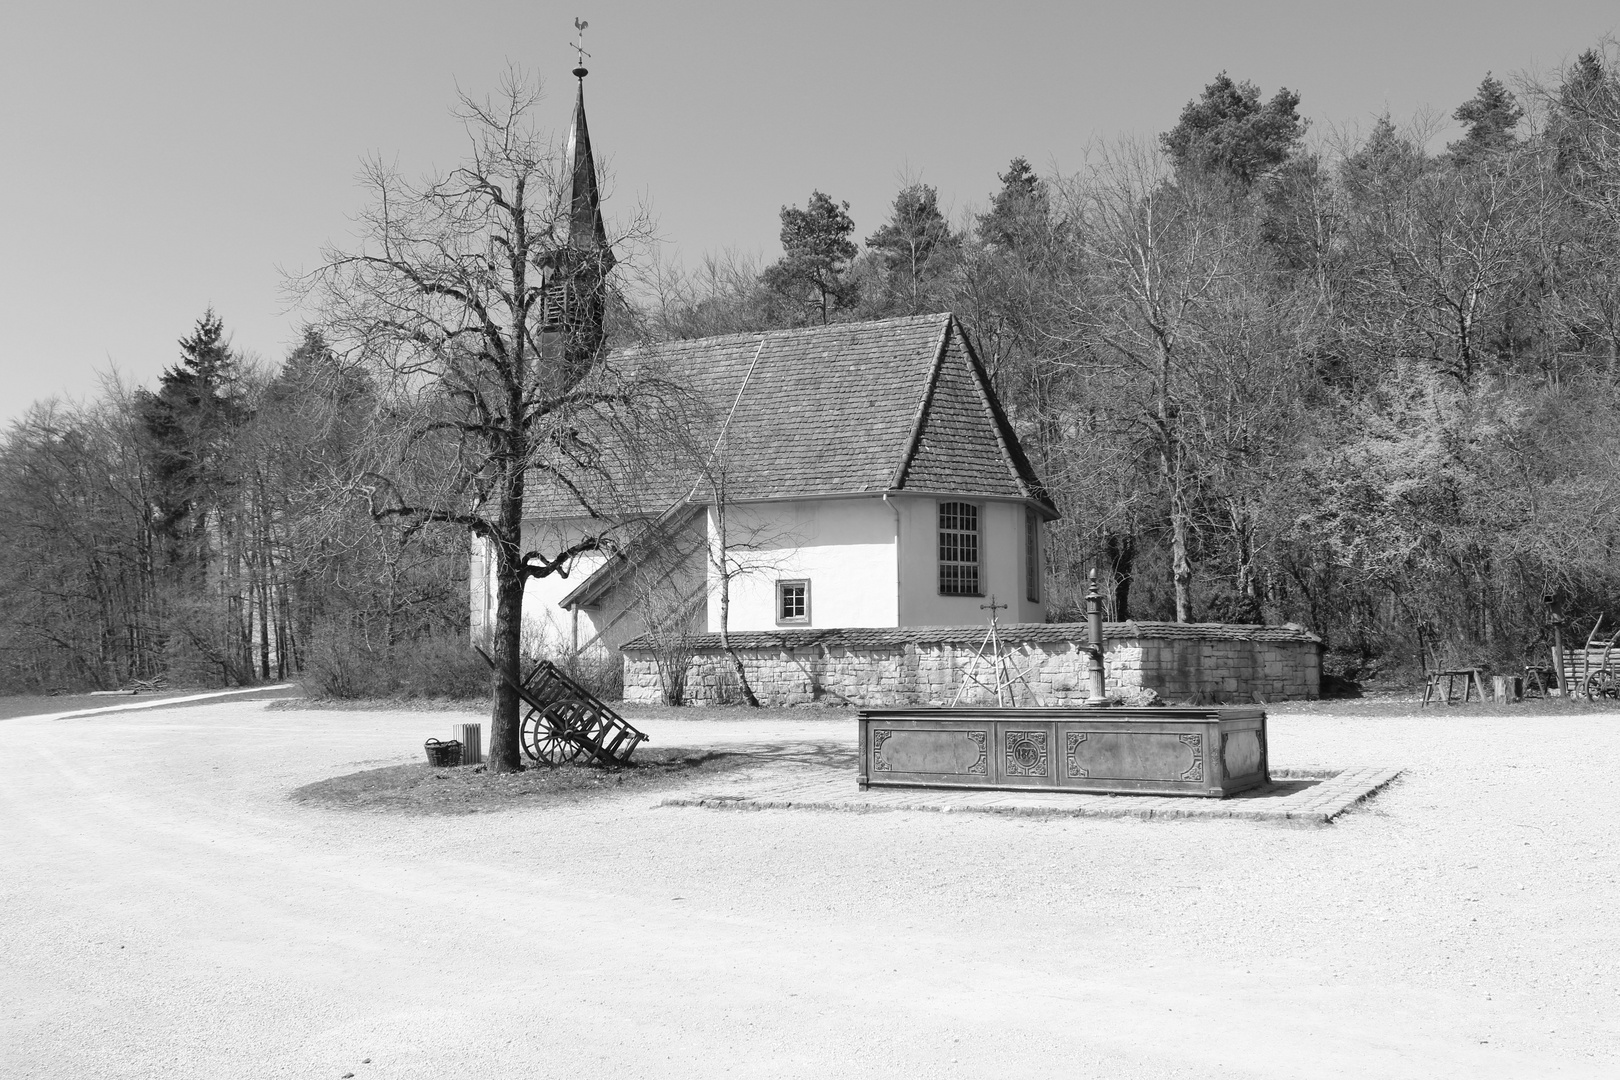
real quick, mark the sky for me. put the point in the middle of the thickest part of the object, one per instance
(160, 158)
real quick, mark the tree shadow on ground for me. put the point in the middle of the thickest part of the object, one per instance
(424, 789)
(830, 755)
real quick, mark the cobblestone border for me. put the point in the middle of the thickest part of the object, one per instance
(1302, 796)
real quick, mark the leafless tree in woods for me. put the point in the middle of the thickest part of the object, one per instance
(1155, 250)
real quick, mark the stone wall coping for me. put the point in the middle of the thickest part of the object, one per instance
(1012, 634)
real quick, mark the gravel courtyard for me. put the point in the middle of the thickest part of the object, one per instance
(170, 912)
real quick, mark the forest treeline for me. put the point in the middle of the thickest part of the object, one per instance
(1349, 382)
(1356, 383)
(206, 533)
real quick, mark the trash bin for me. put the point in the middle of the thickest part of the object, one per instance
(471, 737)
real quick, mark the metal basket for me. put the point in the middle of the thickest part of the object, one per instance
(442, 754)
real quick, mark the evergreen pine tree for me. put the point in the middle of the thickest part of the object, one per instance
(188, 421)
(1489, 118)
(816, 253)
(1227, 132)
(1019, 212)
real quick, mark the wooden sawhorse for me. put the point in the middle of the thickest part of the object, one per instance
(1472, 679)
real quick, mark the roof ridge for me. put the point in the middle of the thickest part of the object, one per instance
(789, 331)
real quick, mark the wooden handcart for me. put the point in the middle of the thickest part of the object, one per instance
(563, 721)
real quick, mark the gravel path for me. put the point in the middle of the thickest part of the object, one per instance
(169, 913)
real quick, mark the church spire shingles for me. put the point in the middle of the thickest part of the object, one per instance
(576, 272)
(585, 229)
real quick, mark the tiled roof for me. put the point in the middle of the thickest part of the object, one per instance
(972, 636)
(840, 409)
(958, 444)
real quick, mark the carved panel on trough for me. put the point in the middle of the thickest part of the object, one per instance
(1240, 752)
(1118, 755)
(1026, 753)
(929, 751)
(1076, 771)
(1195, 771)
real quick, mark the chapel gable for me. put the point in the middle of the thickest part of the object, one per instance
(964, 442)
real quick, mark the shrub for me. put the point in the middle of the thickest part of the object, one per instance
(345, 664)
(602, 673)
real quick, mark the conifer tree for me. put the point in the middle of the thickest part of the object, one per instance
(188, 423)
(1227, 132)
(1490, 117)
(816, 253)
(1018, 213)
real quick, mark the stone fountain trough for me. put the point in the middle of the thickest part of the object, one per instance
(1138, 751)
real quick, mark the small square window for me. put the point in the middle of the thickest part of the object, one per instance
(792, 602)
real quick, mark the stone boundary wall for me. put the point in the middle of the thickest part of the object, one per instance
(1208, 663)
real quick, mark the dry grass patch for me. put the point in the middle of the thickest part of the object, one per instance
(402, 704)
(422, 789)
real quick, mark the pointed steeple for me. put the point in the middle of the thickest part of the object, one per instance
(586, 233)
(574, 311)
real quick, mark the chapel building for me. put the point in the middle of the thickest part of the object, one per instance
(860, 475)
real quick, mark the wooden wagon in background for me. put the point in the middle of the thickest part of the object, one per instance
(1590, 671)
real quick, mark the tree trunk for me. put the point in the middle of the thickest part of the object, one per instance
(1173, 470)
(725, 604)
(1180, 528)
(1121, 554)
(264, 632)
(504, 750)
(510, 576)
(1243, 531)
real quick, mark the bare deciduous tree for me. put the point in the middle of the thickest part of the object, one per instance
(477, 298)
(1155, 249)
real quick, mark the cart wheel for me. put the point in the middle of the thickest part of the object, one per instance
(543, 734)
(1603, 685)
(589, 724)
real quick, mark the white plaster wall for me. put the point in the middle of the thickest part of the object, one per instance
(845, 548)
(621, 613)
(1001, 566)
(547, 627)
